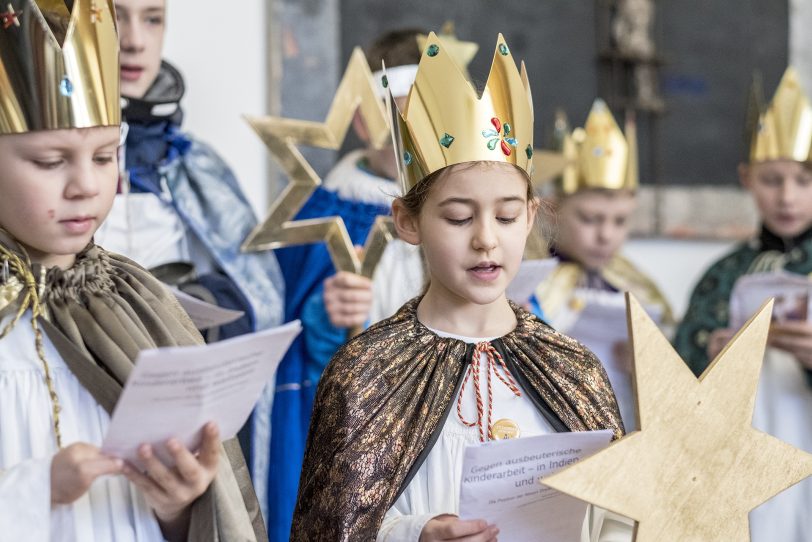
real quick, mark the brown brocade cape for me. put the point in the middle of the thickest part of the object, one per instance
(100, 314)
(383, 400)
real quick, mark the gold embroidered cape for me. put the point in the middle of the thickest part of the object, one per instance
(557, 289)
(383, 399)
(100, 314)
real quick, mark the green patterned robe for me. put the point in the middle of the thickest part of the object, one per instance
(709, 306)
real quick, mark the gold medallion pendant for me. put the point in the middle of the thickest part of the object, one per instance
(505, 429)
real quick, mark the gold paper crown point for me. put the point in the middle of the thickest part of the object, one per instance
(446, 122)
(784, 131)
(58, 68)
(599, 155)
(462, 51)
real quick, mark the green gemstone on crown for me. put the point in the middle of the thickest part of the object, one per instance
(385, 81)
(433, 50)
(407, 158)
(447, 140)
(529, 151)
(503, 48)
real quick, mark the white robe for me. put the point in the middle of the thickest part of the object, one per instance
(111, 511)
(784, 409)
(149, 231)
(434, 490)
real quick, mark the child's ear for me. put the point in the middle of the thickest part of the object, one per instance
(532, 213)
(406, 224)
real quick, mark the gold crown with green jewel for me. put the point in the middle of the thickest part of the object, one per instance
(784, 130)
(446, 122)
(59, 67)
(597, 156)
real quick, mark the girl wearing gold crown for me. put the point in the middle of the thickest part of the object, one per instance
(779, 177)
(398, 404)
(73, 317)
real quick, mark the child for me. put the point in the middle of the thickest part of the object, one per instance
(358, 189)
(395, 407)
(593, 203)
(181, 212)
(779, 177)
(73, 317)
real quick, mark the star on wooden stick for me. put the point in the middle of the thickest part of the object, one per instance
(356, 91)
(696, 467)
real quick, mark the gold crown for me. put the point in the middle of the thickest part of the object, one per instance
(445, 122)
(595, 156)
(63, 78)
(785, 130)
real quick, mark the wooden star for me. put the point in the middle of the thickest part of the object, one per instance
(696, 467)
(356, 91)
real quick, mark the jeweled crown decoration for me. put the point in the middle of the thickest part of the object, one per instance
(599, 155)
(68, 78)
(445, 121)
(784, 130)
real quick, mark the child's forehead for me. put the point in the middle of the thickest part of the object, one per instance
(781, 167)
(482, 181)
(77, 138)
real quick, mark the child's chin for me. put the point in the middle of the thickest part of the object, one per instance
(484, 296)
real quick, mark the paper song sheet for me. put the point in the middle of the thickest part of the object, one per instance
(601, 326)
(205, 315)
(791, 293)
(531, 273)
(501, 483)
(174, 392)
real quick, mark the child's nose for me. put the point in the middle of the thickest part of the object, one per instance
(81, 184)
(484, 237)
(132, 37)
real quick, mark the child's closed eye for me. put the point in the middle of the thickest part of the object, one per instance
(48, 164)
(104, 160)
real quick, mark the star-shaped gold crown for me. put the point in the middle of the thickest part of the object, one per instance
(784, 131)
(595, 156)
(356, 91)
(696, 467)
(445, 121)
(68, 78)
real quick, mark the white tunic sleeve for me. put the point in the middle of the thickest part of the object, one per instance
(25, 501)
(112, 509)
(398, 527)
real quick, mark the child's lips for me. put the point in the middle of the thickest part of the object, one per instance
(78, 225)
(487, 272)
(131, 73)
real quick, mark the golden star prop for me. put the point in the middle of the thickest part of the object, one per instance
(696, 467)
(356, 91)
(463, 52)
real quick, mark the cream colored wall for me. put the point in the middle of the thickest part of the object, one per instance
(221, 50)
(800, 39)
(676, 265)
